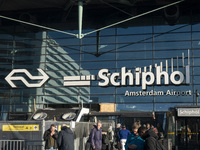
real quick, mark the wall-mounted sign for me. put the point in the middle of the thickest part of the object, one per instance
(188, 112)
(20, 127)
(137, 76)
(157, 75)
(11, 77)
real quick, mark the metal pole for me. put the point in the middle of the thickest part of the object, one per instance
(80, 18)
(43, 130)
(197, 95)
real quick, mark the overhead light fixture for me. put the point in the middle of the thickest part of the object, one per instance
(40, 116)
(68, 116)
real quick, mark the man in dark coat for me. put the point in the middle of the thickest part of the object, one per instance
(88, 145)
(65, 138)
(117, 141)
(96, 137)
(50, 137)
(151, 139)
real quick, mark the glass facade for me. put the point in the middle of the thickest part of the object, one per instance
(60, 55)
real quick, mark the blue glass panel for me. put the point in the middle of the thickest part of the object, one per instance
(196, 44)
(166, 106)
(134, 47)
(59, 99)
(102, 98)
(62, 42)
(67, 91)
(4, 108)
(134, 30)
(195, 27)
(63, 66)
(134, 39)
(172, 37)
(98, 65)
(168, 54)
(183, 45)
(102, 90)
(196, 61)
(196, 36)
(197, 79)
(98, 56)
(135, 55)
(54, 34)
(108, 31)
(63, 49)
(134, 99)
(135, 107)
(62, 58)
(176, 28)
(134, 63)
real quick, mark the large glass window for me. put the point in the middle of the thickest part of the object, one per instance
(143, 45)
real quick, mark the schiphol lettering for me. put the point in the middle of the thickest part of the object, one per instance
(141, 78)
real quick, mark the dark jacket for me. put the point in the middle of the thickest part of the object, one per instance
(96, 138)
(117, 134)
(151, 139)
(46, 137)
(65, 139)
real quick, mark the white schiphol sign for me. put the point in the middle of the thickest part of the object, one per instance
(188, 112)
(144, 77)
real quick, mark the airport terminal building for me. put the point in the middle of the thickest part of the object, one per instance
(135, 55)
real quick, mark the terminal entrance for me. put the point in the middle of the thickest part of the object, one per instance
(187, 133)
(184, 127)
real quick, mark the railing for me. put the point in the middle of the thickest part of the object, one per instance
(12, 145)
(21, 145)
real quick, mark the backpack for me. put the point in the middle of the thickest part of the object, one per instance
(105, 139)
(110, 135)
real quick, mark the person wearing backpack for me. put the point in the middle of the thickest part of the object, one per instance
(151, 139)
(134, 141)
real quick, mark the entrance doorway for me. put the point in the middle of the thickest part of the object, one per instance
(187, 133)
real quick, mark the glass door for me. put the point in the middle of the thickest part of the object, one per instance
(187, 134)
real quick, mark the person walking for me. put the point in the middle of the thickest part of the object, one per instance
(123, 135)
(117, 141)
(96, 137)
(88, 143)
(50, 137)
(65, 138)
